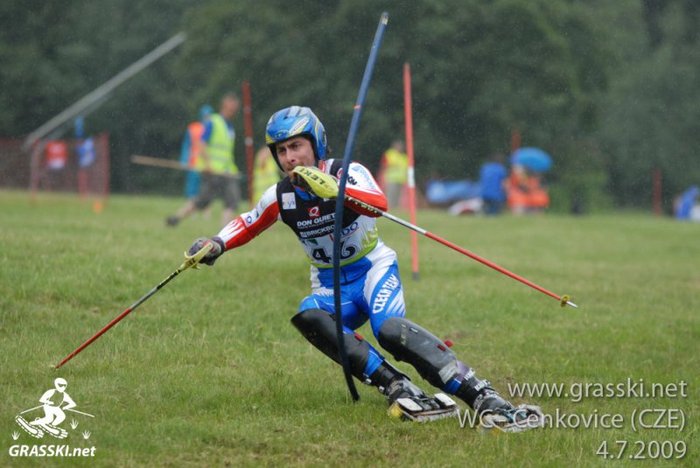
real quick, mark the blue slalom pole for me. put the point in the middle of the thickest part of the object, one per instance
(339, 206)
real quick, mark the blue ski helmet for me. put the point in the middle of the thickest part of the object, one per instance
(296, 121)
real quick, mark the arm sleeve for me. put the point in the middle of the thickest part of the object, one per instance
(249, 225)
(361, 185)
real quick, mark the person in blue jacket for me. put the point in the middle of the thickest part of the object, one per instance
(491, 177)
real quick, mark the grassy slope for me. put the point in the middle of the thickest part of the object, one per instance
(209, 371)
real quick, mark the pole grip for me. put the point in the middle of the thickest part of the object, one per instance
(193, 260)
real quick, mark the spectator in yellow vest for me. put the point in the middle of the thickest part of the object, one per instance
(220, 176)
(266, 172)
(395, 172)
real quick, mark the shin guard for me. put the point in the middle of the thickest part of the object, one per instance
(318, 327)
(431, 357)
(408, 342)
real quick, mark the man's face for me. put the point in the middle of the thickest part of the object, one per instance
(295, 152)
(229, 107)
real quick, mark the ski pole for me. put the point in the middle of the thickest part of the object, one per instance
(190, 261)
(31, 409)
(80, 412)
(563, 300)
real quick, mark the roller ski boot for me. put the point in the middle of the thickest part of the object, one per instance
(497, 414)
(408, 402)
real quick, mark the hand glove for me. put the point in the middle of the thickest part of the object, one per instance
(314, 180)
(213, 254)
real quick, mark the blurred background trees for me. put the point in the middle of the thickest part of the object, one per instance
(608, 88)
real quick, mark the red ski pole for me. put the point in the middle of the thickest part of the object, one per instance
(563, 300)
(190, 261)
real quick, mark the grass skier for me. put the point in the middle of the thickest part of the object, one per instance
(371, 286)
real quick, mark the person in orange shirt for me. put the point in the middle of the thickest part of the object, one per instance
(191, 149)
(525, 192)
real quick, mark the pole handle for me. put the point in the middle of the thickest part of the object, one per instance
(193, 260)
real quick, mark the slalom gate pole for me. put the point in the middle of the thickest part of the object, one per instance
(339, 207)
(563, 300)
(248, 129)
(408, 117)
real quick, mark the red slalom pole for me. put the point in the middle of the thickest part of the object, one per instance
(248, 129)
(408, 117)
(189, 262)
(563, 300)
(515, 140)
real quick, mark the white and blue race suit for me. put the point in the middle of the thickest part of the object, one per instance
(371, 287)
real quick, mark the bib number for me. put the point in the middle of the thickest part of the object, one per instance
(346, 251)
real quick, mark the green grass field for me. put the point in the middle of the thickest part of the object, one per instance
(209, 371)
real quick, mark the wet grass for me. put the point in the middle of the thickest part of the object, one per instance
(209, 372)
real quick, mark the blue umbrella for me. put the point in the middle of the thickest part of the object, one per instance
(533, 159)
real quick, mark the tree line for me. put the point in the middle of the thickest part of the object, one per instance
(609, 89)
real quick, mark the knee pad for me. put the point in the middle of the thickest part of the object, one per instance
(319, 328)
(431, 357)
